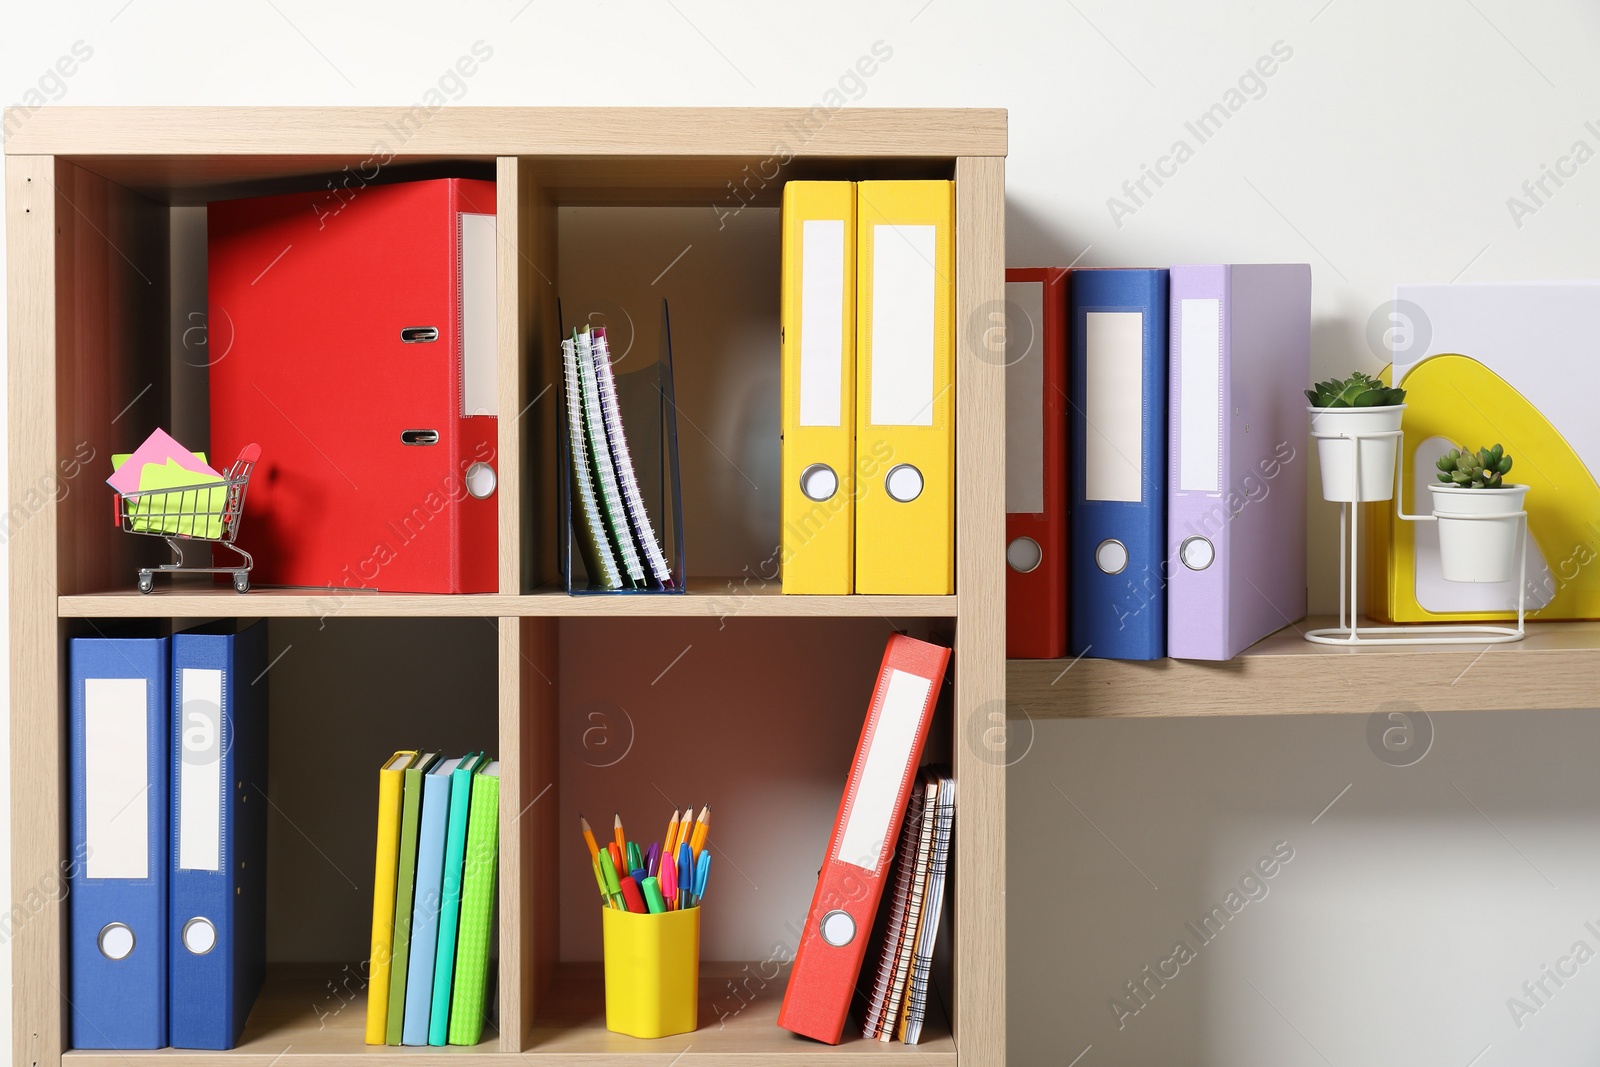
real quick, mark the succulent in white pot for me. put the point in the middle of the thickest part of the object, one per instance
(1479, 515)
(1354, 467)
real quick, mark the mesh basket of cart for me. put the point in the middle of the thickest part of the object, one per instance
(208, 512)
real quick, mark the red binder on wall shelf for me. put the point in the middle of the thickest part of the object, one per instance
(1036, 463)
(355, 340)
(839, 924)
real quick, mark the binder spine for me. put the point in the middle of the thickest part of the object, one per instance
(1117, 535)
(1036, 451)
(818, 343)
(1199, 517)
(117, 982)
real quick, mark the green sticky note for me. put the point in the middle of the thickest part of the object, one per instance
(196, 513)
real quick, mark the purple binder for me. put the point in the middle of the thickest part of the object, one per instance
(1237, 455)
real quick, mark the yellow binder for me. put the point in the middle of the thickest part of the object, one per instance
(905, 387)
(391, 781)
(819, 321)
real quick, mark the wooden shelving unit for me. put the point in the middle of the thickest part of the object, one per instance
(1285, 674)
(89, 197)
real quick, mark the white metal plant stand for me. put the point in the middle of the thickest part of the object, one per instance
(1349, 631)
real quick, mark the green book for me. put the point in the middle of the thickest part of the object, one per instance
(455, 851)
(477, 910)
(405, 884)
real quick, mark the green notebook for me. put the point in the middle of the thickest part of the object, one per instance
(455, 851)
(477, 910)
(405, 884)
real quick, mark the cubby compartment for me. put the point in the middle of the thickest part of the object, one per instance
(603, 247)
(136, 349)
(757, 718)
(343, 695)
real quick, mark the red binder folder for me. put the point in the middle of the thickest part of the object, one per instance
(1036, 463)
(353, 336)
(839, 924)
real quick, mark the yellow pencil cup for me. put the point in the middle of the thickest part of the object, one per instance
(652, 972)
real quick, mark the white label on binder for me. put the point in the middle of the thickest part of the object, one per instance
(1113, 439)
(1024, 326)
(821, 321)
(116, 777)
(200, 770)
(866, 828)
(479, 331)
(1200, 396)
(903, 287)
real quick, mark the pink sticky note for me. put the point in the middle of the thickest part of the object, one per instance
(158, 448)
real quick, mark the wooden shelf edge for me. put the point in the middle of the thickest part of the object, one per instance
(1556, 666)
(499, 131)
(711, 598)
(297, 1023)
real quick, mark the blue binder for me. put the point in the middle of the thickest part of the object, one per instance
(118, 732)
(1118, 454)
(218, 853)
(428, 896)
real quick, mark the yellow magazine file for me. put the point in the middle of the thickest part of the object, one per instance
(1455, 401)
(819, 377)
(905, 387)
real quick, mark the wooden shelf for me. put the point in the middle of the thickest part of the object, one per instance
(1556, 666)
(572, 1028)
(713, 597)
(298, 1020)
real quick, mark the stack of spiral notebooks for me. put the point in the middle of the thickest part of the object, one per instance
(608, 491)
(901, 960)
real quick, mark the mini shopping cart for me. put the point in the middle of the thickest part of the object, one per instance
(184, 514)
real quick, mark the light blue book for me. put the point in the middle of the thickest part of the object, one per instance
(425, 911)
(455, 852)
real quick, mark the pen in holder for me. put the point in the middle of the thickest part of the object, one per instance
(652, 972)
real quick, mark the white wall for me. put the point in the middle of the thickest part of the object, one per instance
(1383, 149)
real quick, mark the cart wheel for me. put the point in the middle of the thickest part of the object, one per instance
(147, 582)
(241, 583)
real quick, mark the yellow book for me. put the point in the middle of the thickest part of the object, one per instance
(905, 387)
(819, 366)
(391, 781)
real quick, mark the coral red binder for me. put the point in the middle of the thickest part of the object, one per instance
(839, 924)
(1036, 463)
(353, 335)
